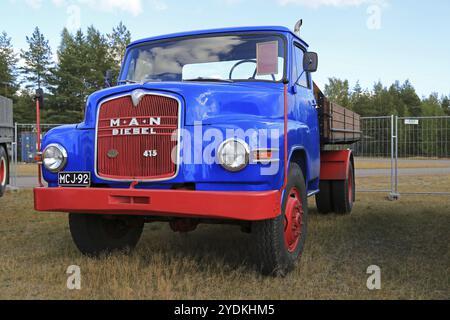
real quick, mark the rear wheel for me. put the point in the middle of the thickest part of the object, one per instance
(279, 242)
(95, 234)
(324, 202)
(4, 171)
(343, 193)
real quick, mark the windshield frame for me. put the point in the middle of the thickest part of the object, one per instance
(282, 36)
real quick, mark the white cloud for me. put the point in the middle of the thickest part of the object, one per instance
(330, 3)
(132, 6)
(35, 4)
(158, 5)
(59, 3)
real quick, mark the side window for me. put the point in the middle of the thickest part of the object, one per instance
(298, 68)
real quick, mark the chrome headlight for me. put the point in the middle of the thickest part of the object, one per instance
(54, 157)
(233, 155)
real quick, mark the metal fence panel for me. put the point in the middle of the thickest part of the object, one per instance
(424, 137)
(376, 140)
(24, 147)
(25, 136)
(408, 146)
(376, 149)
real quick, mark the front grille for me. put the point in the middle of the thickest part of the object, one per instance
(135, 143)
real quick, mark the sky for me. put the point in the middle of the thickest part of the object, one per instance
(358, 40)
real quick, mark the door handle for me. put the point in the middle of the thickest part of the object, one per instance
(314, 104)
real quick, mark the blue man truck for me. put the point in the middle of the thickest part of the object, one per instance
(6, 139)
(214, 126)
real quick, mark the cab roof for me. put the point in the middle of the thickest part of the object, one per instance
(217, 31)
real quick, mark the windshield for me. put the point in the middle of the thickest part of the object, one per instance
(209, 58)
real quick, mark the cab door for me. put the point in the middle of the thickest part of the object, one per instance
(305, 112)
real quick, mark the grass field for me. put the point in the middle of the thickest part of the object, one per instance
(408, 239)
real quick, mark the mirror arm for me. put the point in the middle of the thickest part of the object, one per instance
(301, 75)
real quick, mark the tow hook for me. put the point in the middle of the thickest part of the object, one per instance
(183, 225)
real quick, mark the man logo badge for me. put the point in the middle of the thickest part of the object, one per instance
(112, 154)
(137, 96)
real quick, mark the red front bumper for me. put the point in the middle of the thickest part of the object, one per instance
(249, 206)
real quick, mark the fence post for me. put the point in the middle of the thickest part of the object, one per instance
(394, 159)
(397, 195)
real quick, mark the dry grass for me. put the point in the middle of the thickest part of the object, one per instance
(408, 239)
(422, 183)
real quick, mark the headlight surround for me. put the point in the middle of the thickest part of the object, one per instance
(233, 155)
(54, 157)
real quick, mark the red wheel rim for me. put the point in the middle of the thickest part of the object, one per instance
(293, 220)
(2, 171)
(350, 187)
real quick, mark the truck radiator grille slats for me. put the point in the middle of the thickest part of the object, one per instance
(135, 143)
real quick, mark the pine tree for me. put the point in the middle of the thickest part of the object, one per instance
(410, 99)
(98, 58)
(360, 100)
(338, 91)
(445, 103)
(70, 77)
(83, 62)
(38, 61)
(8, 67)
(118, 41)
(395, 91)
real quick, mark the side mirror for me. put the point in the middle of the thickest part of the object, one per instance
(310, 62)
(108, 78)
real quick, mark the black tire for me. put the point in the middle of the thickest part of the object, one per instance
(95, 234)
(4, 170)
(272, 253)
(343, 193)
(324, 202)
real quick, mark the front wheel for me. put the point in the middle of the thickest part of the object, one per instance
(279, 242)
(95, 234)
(4, 171)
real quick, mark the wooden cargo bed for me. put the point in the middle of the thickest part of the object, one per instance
(338, 125)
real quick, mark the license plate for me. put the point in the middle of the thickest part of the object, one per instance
(74, 179)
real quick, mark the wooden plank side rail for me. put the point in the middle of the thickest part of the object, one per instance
(338, 125)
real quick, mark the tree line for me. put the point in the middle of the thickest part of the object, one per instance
(82, 59)
(398, 99)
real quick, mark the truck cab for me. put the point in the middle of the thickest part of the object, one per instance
(213, 126)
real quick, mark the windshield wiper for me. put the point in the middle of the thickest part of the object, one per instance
(209, 80)
(127, 81)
